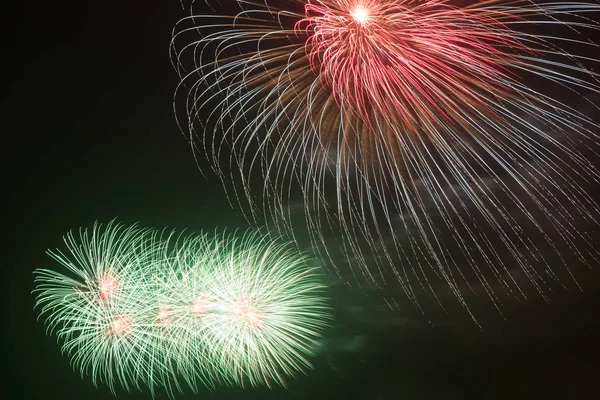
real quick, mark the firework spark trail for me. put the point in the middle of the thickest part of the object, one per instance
(373, 109)
(147, 308)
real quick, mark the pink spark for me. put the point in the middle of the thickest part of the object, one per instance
(107, 286)
(200, 305)
(163, 313)
(120, 325)
(244, 310)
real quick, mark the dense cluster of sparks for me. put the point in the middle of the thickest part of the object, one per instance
(386, 115)
(144, 308)
(396, 64)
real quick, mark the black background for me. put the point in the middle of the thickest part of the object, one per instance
(89, 134)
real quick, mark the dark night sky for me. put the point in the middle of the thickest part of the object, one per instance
(90, 135)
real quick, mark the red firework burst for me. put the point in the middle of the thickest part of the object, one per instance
(408, 61)
(397, 119)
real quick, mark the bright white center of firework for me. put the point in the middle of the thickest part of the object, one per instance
(360, 14)
(200, 305)
(244, 310)
(108, 286)
(163, 313)
(120, 325)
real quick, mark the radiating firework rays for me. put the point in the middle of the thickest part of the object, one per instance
(143, 308)
(404, 117)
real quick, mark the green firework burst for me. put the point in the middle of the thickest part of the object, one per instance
(147, 308)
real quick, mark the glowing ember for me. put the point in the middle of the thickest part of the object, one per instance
(200, 305)
(120, 325)
(163, 313)
(244, 310)
(108, 286)
(360, 14)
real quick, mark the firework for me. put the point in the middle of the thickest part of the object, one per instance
(401, 117)
(143, 308)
